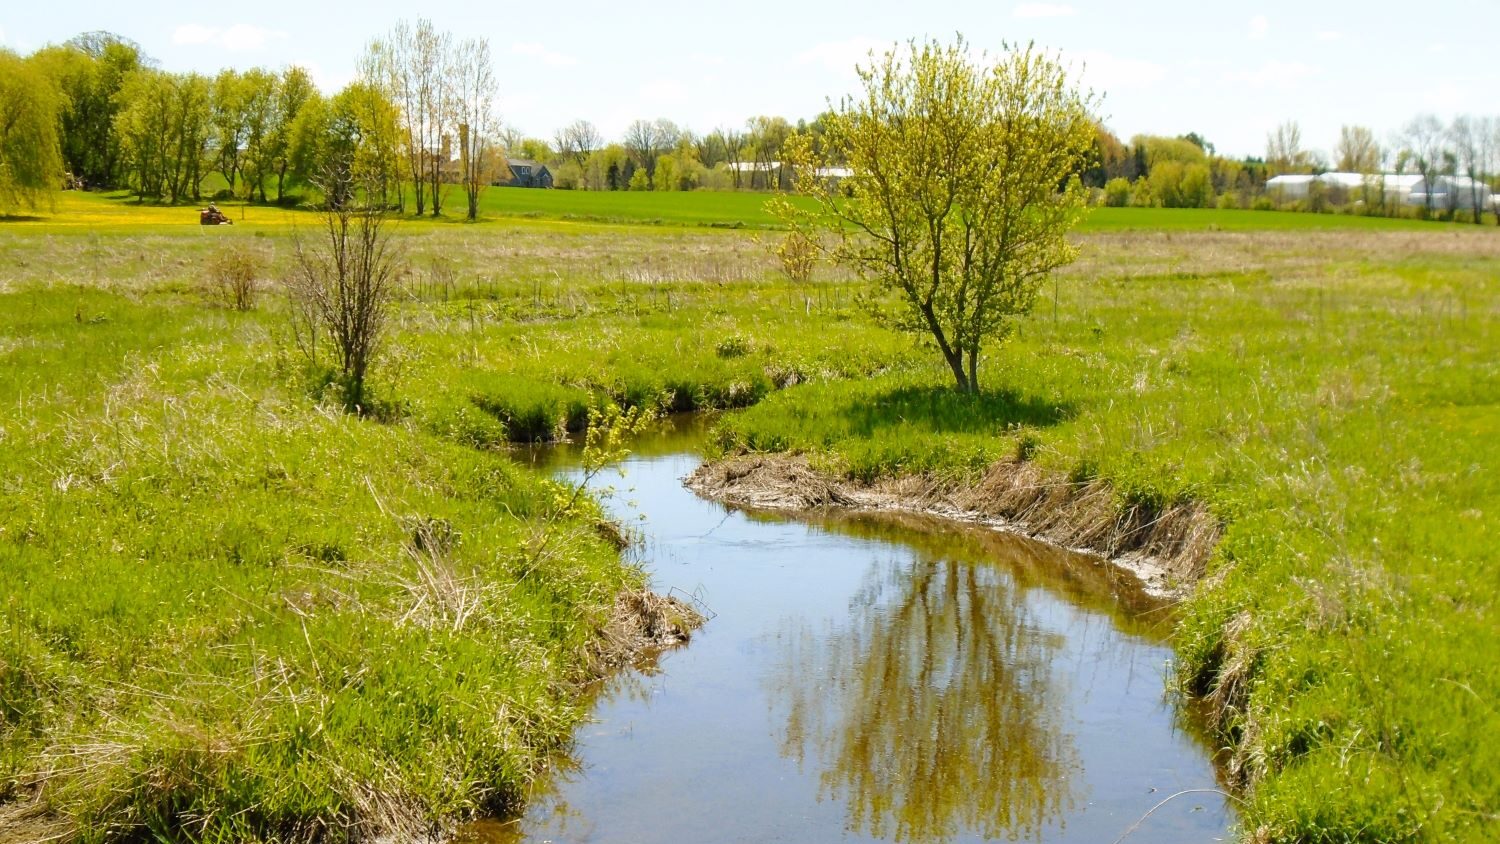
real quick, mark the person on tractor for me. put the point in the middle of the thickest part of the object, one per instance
(212, 216)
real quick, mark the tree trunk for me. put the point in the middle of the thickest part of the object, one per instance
(954, 357)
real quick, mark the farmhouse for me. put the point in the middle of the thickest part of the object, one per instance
(525, 173)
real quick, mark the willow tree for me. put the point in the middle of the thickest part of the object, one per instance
(959, 192)
(30, 163)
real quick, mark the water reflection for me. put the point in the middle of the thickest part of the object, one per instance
(933, 711)
(874, 677)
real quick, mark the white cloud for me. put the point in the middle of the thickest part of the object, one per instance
(1275, 74)
(1330, 35)
(841, 57)
(2, 35)
(551, 58)
(240, 37)
(1259, 26)
(1044, 10)
(1108, 72)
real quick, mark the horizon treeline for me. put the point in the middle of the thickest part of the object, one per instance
(97, 112)
(1185, 171)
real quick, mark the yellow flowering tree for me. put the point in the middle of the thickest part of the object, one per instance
(958, 192)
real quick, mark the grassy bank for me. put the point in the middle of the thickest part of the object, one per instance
(230, 613)
(1333, 402)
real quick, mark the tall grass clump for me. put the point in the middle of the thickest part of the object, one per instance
(234, 272)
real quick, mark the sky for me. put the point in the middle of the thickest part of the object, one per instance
(1228, 71)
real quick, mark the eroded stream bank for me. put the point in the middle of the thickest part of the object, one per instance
(874, 677)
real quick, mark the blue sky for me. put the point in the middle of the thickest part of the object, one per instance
(1227, 71)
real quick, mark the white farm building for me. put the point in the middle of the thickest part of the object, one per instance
(1459, 192)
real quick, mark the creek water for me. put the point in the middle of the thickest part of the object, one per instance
(874, 677)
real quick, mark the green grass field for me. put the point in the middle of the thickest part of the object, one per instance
(233, 611)
(707, 209)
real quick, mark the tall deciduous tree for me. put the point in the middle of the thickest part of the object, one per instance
(578, 140)
(228, 121)
(163, 131)
(1284, 152)
(1357, 151)
(959, 200)
(643, 143)
(260, 94)
(767, 135)
(30, 160)
(90, 71)
(475, 88)
(1424, 149)
(359, 132)
(1469, 138)
(293, 92)
(412, 64)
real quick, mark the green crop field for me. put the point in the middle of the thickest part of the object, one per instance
(706, 209)
(234, 611)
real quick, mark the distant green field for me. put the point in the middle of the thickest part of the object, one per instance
(698, 208)
(735, 209)
(713, 209)
(1214, 219)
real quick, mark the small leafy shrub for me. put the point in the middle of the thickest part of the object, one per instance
(1117, 193)
(797, 254)
(734, 346)
(232, 274)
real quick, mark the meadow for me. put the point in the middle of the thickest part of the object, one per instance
(696, 209)
(234, 611)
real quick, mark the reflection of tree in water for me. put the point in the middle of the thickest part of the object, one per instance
(933, 712)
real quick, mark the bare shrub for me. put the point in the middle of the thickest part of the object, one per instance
(343, 284)
(232, 275)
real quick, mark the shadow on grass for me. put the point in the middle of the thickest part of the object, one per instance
(943, 410)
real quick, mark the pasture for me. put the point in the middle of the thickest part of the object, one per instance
(226, 599)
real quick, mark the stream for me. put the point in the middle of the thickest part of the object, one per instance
(874, 677)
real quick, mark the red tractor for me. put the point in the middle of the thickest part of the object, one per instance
(212, 216)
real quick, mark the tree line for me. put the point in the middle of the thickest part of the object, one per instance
(97, 112)
(1186, 172)
(418, 120)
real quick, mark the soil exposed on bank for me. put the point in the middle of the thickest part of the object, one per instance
(1166, 549)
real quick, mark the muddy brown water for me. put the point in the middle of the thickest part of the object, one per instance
(870, 677)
